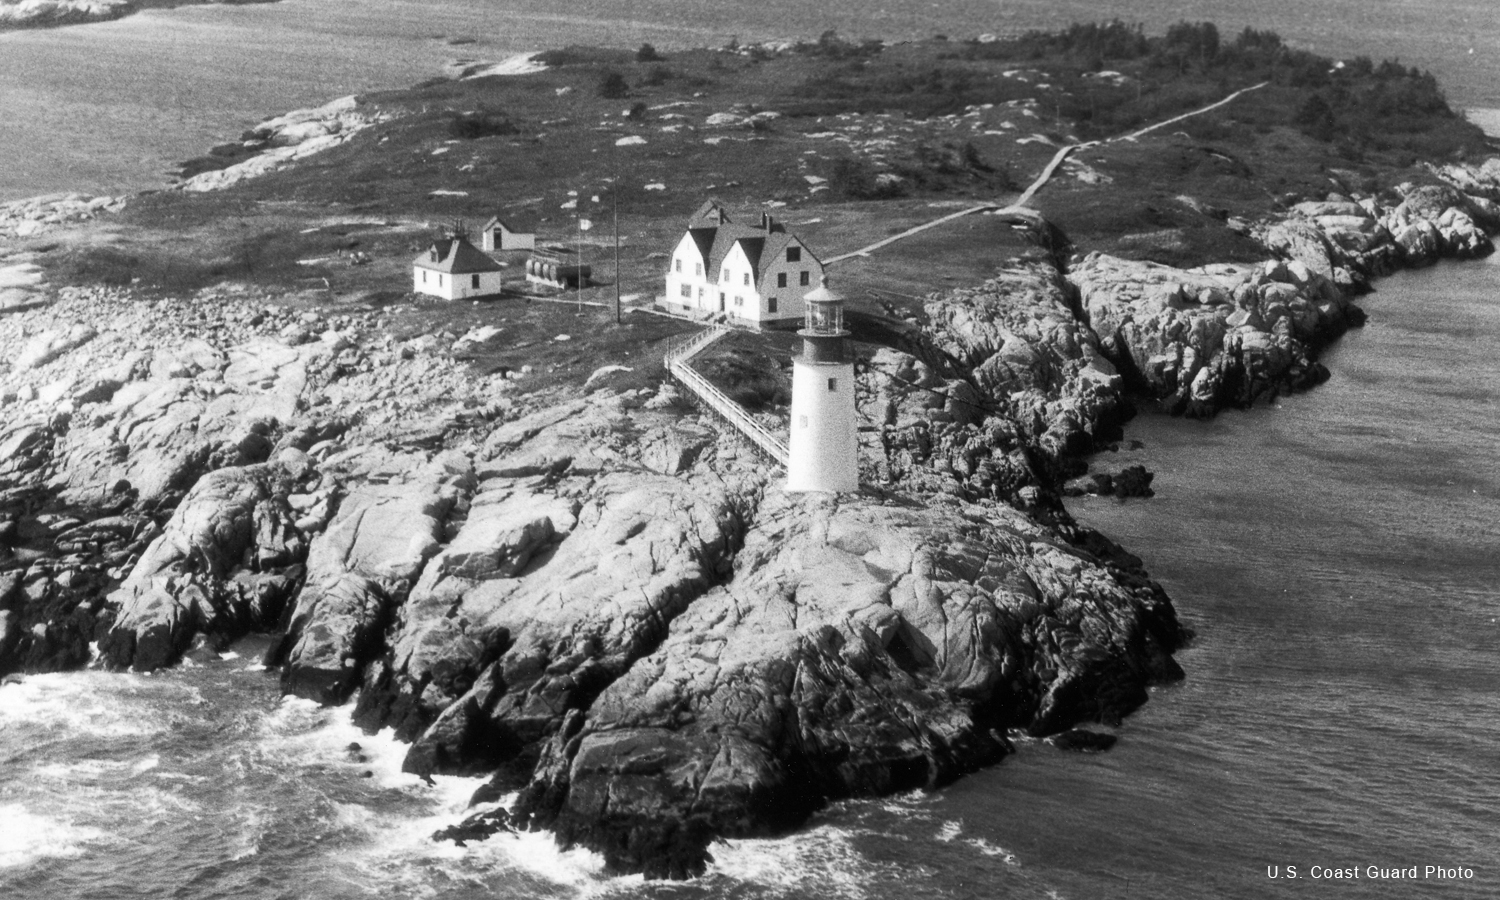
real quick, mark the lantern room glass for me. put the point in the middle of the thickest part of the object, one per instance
(825, 318)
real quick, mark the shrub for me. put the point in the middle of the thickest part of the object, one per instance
(658, 75)
(477, 125)
(646, 54)
(612, 86)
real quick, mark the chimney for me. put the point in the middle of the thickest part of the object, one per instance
(765, 221)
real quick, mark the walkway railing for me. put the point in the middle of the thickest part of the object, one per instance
(677, 361)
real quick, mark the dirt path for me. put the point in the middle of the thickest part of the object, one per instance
(1047, 174)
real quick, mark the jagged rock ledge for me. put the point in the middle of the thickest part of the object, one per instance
(602, 600)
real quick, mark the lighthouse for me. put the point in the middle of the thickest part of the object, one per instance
(824, 445)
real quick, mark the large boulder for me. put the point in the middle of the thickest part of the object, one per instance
(358, 572)
(233, 522)
(642, 549)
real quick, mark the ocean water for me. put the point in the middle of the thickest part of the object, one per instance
(111, 107)
(1335, 553)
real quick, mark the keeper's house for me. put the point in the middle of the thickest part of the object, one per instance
(753, 275)
(455, 269)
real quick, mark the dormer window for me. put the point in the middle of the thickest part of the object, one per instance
(794, 254)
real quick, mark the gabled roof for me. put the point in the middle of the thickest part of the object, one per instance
(725, 238)
(496, 220)
(456, 256)
(762, 244)
(703, 239)
(709, 215)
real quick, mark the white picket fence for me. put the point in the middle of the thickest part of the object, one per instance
(678, 359)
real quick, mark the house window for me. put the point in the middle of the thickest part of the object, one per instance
(833, 384)
(739, 301)
(771, 304)
(700, 293)
(678, 263)
(687, 291)
(440, 281)
(698, 269)
(475, 281)
(424, 276)
(747, 279)
(724, 274)
(805, 279)
(794, 254)
(781, 279)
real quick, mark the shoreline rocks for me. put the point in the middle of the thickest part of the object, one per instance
(37, 215)
(284, 139)
(594, 599)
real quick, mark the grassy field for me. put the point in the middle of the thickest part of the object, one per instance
(847, 143)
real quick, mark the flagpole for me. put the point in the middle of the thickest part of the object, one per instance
(614, 199)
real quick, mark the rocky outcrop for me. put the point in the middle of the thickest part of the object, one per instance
(109, 425)
(358, 572)
(860, 648)
(223, 567)
(1203, 339)
(552, 588)
(1031, 356)
(282, 140)
(37, 215)
(1350, 242)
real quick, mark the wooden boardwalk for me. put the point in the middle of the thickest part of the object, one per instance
(678, 361)
(1022, 203)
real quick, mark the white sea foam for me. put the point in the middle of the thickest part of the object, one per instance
(92, 703)
(988, 849)
(820, 862)
(402, 856)
(301, 733)
(95, 769)
(950, 830)
(26, 837)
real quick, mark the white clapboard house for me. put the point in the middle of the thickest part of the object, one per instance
(753, 275)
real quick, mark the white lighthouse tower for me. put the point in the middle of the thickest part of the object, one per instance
(824, 445)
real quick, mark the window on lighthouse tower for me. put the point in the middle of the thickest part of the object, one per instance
(833, 384)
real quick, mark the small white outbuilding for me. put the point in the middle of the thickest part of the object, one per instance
(498, 235)
(455, 269)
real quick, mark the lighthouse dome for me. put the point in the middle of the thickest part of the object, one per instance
(824, 312)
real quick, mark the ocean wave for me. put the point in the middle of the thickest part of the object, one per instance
(94, 704)
(26, 837)
(398, 853)
(820, 861)
(302, 734)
